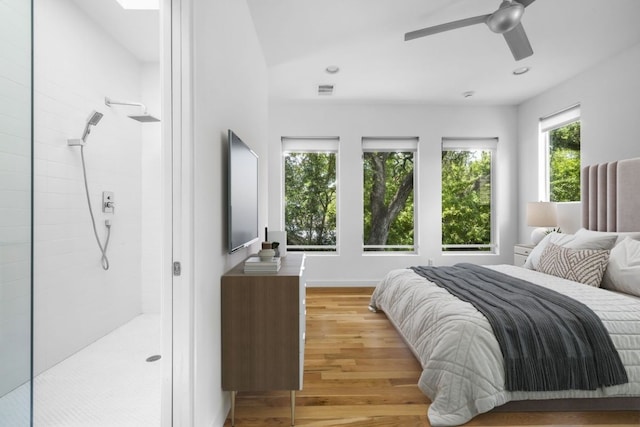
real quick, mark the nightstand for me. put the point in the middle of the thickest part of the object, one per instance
(520, 253)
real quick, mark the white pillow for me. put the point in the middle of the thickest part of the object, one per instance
(623, 270)
(572, 241)
(601, 242)
(620, 235)
(559, 239)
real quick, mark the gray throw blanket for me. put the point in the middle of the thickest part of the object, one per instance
(549, 341)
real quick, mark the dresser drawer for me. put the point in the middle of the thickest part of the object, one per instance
(520, 253)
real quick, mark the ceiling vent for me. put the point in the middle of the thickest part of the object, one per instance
(325, 89)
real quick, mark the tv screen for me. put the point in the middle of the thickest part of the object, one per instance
(242, 194)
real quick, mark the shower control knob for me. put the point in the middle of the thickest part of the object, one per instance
(108, 203)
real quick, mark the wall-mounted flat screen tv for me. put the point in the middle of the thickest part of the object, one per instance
(242, 194)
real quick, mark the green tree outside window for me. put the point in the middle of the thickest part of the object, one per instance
(564, 163)
(310, 201)
(466, 199)
(388, 201)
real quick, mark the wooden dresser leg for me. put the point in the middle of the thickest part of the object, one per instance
(293, 407)
(233, 407)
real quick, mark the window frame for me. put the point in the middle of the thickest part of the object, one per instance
(468, 144)
(546, 125)
(398, 145)
(311, 145)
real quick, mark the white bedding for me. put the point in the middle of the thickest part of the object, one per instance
(462, 364)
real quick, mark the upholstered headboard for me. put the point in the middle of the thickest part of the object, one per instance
(611, 196)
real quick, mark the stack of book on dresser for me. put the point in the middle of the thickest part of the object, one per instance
(255, 264)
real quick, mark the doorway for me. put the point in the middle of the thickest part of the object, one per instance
(101, 324)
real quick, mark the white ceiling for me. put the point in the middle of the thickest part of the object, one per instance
(365, 38)
(137, 30)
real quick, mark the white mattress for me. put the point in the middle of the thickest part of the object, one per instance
(462, 364)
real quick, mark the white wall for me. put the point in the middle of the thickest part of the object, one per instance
(608, 96)
(351, 122)
(15, 200)
(151, 191)
(230, 81)
(75, 300)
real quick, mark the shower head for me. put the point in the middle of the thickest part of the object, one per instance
(144, 117)
(94, 119)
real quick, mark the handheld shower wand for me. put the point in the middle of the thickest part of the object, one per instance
(94, 119)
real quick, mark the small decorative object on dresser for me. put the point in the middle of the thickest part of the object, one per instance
(275, 246)
(260, 264)
(520, 253)
(266, 254)
(281, 238)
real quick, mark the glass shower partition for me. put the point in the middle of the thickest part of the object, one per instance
(16, 212)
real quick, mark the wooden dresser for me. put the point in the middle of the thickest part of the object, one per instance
(263, 330)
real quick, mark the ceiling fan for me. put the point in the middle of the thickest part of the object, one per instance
(505, 21)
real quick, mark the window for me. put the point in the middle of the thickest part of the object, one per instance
(389, 194)
(560, 134)
(310, 190)
(467, 194)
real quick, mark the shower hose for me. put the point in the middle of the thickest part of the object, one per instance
(103, 249)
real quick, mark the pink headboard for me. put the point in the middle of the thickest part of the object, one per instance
(611, 196)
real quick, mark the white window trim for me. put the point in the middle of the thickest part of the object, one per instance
(561, 118)
(395, 144)
(316, 144)
(329, 144)
(389, 144)
(464, 144)
(547, 124)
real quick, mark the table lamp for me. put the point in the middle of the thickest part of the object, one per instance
(541, 215)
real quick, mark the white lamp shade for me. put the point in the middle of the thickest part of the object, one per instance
(569, 216)
(542, 214)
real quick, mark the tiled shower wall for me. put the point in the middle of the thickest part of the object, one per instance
(76, 301)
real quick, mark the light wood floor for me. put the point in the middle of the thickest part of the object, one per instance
(359, 372)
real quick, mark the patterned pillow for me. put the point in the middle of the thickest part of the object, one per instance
(580, 265)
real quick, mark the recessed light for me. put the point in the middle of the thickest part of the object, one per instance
(468, 94)
(520, 71)
(332, 69)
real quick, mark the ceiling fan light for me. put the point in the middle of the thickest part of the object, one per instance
(506, 18)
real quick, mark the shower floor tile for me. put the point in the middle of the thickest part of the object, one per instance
(107, 384)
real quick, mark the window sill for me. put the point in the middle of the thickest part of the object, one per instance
(469, 253)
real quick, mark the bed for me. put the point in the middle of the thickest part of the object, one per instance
(463, 364)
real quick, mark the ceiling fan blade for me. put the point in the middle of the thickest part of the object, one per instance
(518, 42)
(445, 27)
(525, 3)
